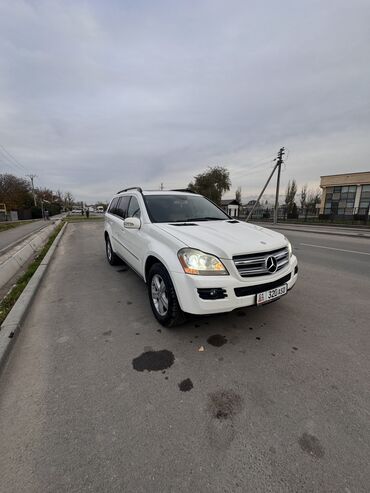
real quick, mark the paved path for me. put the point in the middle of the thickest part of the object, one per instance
(283, 406)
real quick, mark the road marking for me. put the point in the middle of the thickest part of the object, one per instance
(337, 249)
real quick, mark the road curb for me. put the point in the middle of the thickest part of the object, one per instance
(12, 261)
(12, 325)
(6, 249)
(299, 230)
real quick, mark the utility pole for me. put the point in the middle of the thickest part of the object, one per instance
(31, 177)
(279, 162)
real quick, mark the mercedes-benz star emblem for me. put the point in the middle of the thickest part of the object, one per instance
(271, 264)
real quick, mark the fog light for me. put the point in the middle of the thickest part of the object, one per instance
(212, 293)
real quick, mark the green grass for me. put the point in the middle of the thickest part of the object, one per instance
(7, 303)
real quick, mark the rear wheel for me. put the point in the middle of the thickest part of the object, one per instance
(162, 297)
(113, 259)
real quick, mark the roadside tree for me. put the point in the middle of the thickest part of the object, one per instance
(213, 183)
(290, 205)
(15, 192)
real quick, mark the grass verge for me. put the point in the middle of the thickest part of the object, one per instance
(7, 303)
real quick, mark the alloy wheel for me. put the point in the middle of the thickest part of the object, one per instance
(159, 294)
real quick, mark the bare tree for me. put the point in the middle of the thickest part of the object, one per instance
(313, 198)
(68, 200)
(291, 206)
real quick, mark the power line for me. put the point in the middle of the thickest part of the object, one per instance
(7, 164)
(254, 166)
(12, 159)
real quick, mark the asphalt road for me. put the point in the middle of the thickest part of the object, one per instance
(283, 405)
(14, 235)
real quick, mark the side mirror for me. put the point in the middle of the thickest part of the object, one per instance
(132, 223)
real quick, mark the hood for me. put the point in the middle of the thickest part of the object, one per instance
(225, 239)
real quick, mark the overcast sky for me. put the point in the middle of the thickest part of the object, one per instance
(99, 95)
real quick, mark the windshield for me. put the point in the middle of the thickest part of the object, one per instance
(182, 208)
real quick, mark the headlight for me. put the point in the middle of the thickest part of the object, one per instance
(199, 263)
(290, 249)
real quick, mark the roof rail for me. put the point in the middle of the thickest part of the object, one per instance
(131, 188)
(183, 190)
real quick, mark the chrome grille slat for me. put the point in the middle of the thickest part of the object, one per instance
(282, 262)
(252, 261)
(254, 264)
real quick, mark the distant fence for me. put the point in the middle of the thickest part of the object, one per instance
(267, 214)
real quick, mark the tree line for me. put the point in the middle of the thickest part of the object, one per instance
(215, 181)
(17, 195)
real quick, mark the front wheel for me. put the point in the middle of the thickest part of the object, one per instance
(162, 297)
(111, 256)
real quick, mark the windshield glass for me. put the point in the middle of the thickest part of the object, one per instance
(182, 208)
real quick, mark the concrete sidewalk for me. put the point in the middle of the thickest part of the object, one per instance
(321, 229)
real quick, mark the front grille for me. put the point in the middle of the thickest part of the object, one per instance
(254, 264)
(259, 288)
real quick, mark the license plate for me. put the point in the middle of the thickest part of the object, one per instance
(271, 294)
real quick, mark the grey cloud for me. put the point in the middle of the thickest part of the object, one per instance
(95, 94)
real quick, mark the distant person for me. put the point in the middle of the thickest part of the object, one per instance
(87, 213)
(46, 214)
(82, 212)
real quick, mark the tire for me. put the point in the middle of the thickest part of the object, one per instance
(162, 297)
(112, 258)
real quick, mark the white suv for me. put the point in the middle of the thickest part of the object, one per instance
(193, 257)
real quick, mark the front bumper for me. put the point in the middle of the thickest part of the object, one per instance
(187, 287)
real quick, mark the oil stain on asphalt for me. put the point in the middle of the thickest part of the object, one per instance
(311, 445)
(186, 385)
(153, 360)
(224, 404)
(217, 340)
